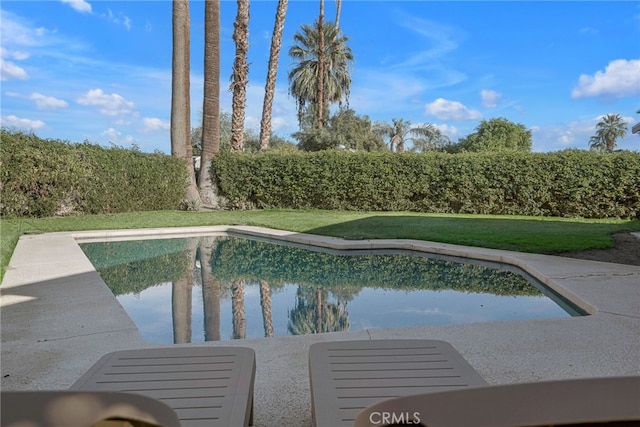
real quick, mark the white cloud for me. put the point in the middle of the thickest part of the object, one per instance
(119, 20)
(122, 122)
(27, 124)
(384, 90)
(9, 70)
(252, 122)
(16, 33)
(17, 54)
(451, 131)
(152, 124)
(81, 6)
(490, 98)
(116, 137)
(47, 102)
(451, 110)
(574, 134)
(442, 38)
(283, 120)
(621, 78)
(281, 123)
(109, 105)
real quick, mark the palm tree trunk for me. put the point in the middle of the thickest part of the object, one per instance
(270, 87)
(237, 310)
(240, 75)
(265, 303)
(180, 98)
(210, 104)
(320, 97)
(338, 10)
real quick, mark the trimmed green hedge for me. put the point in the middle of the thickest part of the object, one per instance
(43, 177)
(40, 177)
(570, 183)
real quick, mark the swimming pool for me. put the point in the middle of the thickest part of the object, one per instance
(208, 288)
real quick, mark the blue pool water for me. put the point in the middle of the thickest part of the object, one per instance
(224, 287)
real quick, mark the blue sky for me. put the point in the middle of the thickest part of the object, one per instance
(101, 70)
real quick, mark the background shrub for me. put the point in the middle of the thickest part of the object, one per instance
(40, 177)
(43, 177)
(571, 183)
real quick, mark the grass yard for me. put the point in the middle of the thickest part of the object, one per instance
(516, 233)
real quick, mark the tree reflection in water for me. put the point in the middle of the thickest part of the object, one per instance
(265, 303)
(211, 290)
(233, 271)
(181, 300)
(313, 314)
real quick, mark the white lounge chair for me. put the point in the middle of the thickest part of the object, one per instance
(578, 402)
(348, 376)
(205, 386)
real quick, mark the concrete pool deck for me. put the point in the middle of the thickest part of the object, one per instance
(58, 317)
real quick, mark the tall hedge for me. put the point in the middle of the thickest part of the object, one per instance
(43, 177)
(570, 183)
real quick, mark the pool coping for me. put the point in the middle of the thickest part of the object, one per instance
(58, 317)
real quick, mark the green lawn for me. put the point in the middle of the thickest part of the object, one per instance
(519, 233)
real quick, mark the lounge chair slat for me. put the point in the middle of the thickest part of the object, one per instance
(347, 376)
(209, 367)
(165, 376)
(214, 384)
(354, 385)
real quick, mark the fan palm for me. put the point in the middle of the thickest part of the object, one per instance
(429, 138)
(401, 131)
(608, 130)
(304, 79)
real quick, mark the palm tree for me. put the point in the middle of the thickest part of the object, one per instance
(270, 87)
(240, 75)
(211, 103)
(429, 138)
(321, 67)
(401, 131)
(338, 10)
(608, 130)
(303, 78)
(180, 99)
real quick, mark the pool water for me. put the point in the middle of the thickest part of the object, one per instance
(225, 287)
